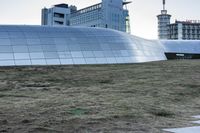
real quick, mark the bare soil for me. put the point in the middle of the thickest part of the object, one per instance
(135, 98)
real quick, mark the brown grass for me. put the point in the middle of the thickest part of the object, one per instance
(138, 98)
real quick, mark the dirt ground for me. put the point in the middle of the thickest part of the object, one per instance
(135, 98)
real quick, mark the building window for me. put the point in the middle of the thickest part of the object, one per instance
(59, 15)
(58, 22)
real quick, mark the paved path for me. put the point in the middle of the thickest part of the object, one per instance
(184, 130)
(198, 116)
(195, 129)
(196, 122)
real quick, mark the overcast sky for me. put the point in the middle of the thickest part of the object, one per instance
(142, 12)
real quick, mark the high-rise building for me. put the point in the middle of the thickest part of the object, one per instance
(163, 22)
(111, 14)
(184, 30)
(57, 15)
(180, 30)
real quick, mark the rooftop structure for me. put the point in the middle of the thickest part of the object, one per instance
(163, 22)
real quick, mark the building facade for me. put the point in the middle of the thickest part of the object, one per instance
(107, 14)
(180, 30)
(58, 15)
(163, 22)
(184, 30)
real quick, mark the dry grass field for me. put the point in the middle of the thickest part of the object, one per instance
(135, 98)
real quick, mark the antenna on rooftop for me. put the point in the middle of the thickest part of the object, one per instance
(163, 4)
(125, 5)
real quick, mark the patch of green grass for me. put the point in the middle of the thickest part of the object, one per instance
(78, 111)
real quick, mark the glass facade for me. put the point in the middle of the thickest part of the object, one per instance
(36, 45)
(92, 14)
(46, 45)
(182, 46)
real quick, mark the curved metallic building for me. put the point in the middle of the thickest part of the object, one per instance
(43, 45)
(182, 46)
